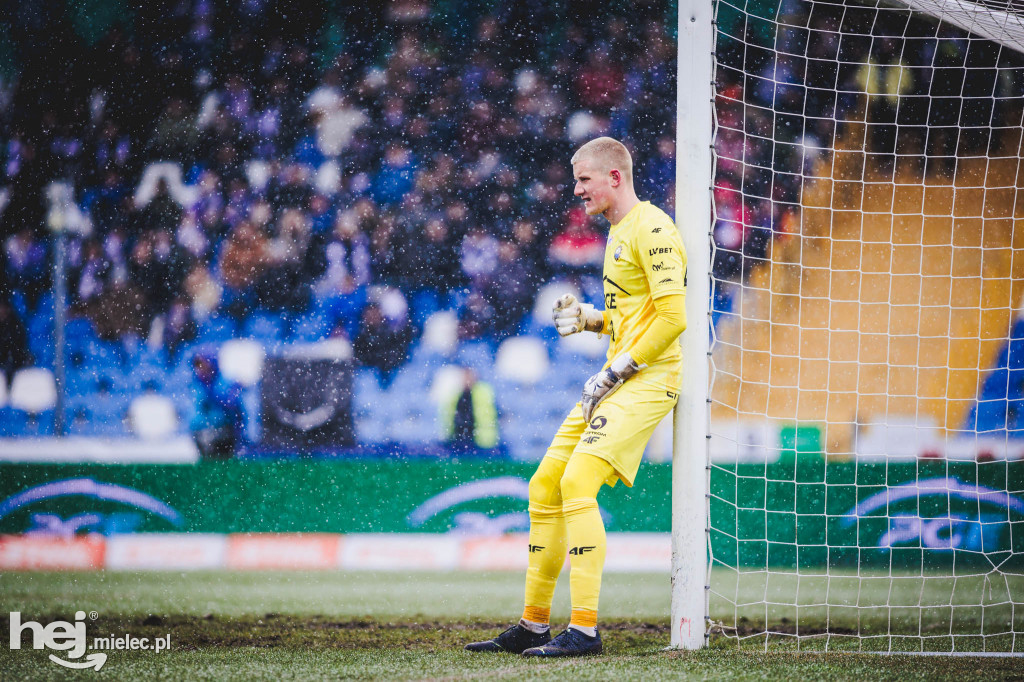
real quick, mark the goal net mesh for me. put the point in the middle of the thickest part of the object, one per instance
(867, 391)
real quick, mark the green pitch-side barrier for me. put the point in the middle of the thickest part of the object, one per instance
(796, 511)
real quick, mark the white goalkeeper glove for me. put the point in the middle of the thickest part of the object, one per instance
(573, 317)
(606, 382)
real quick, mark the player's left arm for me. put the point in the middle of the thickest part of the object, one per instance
(663, 259)
(660, 253)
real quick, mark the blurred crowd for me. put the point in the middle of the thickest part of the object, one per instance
(229, 159)
(798, 79)
(233, 158)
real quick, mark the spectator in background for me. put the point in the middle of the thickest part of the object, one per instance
(14, 353)
(578, 247)
(342, 288)
(395, 177)
(242, 263)
(469, 417)
(511, 290)
(27, 268)
(162, 212)
(476, 318)
(382, 343)
(217, 423)
(177, 327)
(158, 268)
(286, 283)
(202, 292)
(479, 256)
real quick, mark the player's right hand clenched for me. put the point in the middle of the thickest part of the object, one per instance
(573, 317)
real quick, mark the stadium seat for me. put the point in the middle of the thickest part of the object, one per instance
(153, 416)
(241, 361)
(40, 424)
(479, 356)
(546, 297)
(446, 382)
(440, 332)
(313, 326)
(991, 415)
(13, 422)
(264, 327)
(996, 384)
(522, 359)
(33, 390)
(586, 345)
(216, 330)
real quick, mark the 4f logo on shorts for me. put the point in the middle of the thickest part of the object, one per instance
(577, 551)
(535, 548)
(590, 440)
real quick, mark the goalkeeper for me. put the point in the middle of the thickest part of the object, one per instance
(604, 436)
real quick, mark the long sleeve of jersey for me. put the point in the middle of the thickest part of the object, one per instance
(668, 324)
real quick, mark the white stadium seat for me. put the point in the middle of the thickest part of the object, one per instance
(447, 381)
(546, 297)
(241, 361)
(153, 416)
(441, 332)
(521, 359)
(33, 390)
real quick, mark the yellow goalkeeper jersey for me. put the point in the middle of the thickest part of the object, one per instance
(644, 260)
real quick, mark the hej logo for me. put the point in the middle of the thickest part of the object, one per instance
(70, 637)
(59, 635)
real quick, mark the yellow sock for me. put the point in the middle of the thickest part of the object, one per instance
(546, 558)
(580, 483)
(587, 549)
(547, 540)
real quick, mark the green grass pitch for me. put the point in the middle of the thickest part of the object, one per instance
(346, 625)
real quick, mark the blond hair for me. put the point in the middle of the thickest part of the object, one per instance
(608, 153)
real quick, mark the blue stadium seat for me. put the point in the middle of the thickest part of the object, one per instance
(313, 326)
(478, 355)
(13, 422)
(996, 384)
(41, 424)
(81, 381)
(20, 304)
(216, 330)
(991, 415)
(264, 327)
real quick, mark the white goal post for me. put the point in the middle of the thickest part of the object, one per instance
(848, 460)
(694, 101)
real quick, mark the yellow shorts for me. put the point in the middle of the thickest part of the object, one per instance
(619, 431)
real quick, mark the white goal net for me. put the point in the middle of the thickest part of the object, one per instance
(867, 379)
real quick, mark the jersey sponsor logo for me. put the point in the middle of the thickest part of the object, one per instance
(598, 422)
(666, 280)
(610, 281)
(618, 252)
(535, 548)
(672, 395)
(579, 551)
(590, 440)
(657, 267)
(656, 230)
(659, 250)
(609, 301)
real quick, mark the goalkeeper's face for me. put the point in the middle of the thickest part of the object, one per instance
(594, 186)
